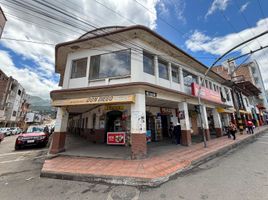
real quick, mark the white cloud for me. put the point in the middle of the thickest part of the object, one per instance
(30, 80)
(244, 7)
(217, 5)
(41, 74)
(199, 41)
(167, 8)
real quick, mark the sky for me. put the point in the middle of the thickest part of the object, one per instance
(203, 28)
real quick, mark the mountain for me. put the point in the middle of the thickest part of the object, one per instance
(41, 105)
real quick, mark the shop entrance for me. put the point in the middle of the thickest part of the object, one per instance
(165, 119)
(113, 121)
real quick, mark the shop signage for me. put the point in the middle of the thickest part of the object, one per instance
(95, 100)
(180, 114)
(150, 94)
(116, 138)
(206, 93)
(114, 107)
(166, 111)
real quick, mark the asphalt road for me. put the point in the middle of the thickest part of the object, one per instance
(241, 174)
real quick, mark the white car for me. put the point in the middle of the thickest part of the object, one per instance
(15, 130)
(5, 131)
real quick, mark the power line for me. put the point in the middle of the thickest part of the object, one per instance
(21, 40)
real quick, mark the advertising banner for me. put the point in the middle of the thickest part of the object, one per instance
(206, 93)
(116, 138)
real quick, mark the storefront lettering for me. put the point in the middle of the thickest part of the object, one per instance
(95, 100)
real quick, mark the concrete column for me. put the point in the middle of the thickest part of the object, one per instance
(205, 121)
(186, 139)
(156, 72)
(170, 74)
(58, 139)
(217, 122)
(181, 79)
(198, 80)
(138, 127)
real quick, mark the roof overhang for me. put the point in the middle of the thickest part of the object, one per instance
(127, 33)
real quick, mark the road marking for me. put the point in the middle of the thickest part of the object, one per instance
(22, 152)
(21, 159)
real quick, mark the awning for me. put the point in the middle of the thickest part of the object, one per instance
(222, 110)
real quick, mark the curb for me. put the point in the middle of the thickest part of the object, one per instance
(148, 182)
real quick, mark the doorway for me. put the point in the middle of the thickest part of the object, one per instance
(113, 121)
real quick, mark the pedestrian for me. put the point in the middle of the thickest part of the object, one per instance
(52, 130)
(250, 127)
(46, 130)
(232, 129)
(177, 133)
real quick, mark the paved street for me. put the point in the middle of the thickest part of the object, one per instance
(242, 174)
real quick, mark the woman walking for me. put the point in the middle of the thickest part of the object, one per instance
(232, 129)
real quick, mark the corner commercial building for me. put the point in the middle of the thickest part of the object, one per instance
(127, 84)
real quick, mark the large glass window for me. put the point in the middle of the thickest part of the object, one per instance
(175, 74)
(163, 69)
(189, 78)
(79, 68)
(110, 65)
(148, 63)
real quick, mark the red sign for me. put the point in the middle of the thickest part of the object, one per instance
(206, 93)
(116, 138)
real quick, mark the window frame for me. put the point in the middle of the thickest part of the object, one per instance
(178, 71)
(164, 63)
(148, 55)
(117, 76)
(72, 65)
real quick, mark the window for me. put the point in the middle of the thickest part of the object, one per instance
(189, 78)
(163, 69)
(253, 69)
(227, 94)
(79, 68)
(148, 63)
(110, 65)
(19, 92)
(215, 87)
(175, 74)
(210, 85)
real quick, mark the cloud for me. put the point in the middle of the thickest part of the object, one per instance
(22, 25)
(199, 41)
(29, 79)
(217, 5)
(167, 8)
(244, 7)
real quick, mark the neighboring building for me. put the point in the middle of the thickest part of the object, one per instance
(129, 83)
(247, 95)
(13, 102)
(3, 20)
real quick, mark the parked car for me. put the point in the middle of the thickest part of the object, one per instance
(34, 136)
(6, 131)
(15, 130)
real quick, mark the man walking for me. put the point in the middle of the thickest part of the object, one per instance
(177, 133)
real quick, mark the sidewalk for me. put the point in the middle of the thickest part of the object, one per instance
(151, 172)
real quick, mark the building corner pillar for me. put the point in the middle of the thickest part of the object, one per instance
(186, 139)
(138, 127)
(217, 122)
(58, 137)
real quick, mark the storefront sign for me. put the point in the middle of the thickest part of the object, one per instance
(150, 94)
(114, 107)
(116, 138)
(166, 111)
(206, 93)
(95, 100)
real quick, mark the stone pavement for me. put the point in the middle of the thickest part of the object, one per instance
(150, 172)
